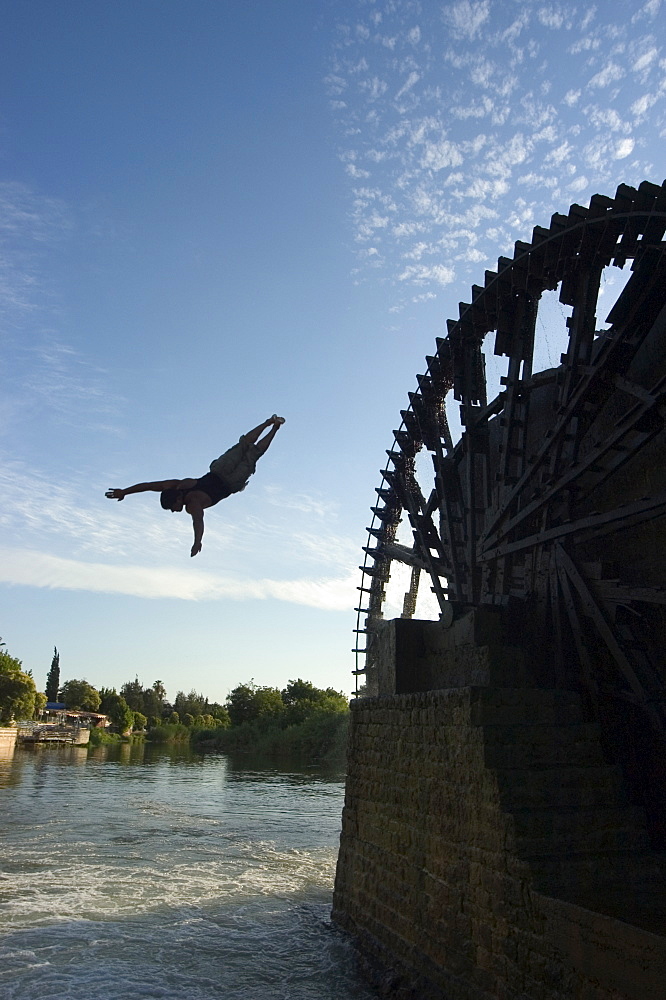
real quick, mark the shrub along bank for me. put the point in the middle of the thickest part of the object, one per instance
(301, 721)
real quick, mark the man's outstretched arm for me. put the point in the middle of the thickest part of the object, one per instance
(195, 510)
(157, 487)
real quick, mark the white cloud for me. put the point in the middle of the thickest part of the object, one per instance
(648, 11)
(607, 119)
(356, 172)
(466, 18)
(336, 85)
(410, 82)
(609, 74)
(551, 17)
(302, 502)
(481, 189)
(645, 61)
(624, 148)
(642, 105)
(407, 229)
(374, 88)
(579, 184)
(24, 567)
(30, 224)
(482, 62)
(420, 274)
(534, 180)
(478, 109)
(418, 251)
(584, 45)
(472, 256)
(560, 154)
(438, 155)
(367, 227)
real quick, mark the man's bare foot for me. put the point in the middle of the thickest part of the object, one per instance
(278, 421)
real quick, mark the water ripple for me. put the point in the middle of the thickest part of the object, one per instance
(170, 876)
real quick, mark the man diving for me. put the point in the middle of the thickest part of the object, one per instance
(228, 474)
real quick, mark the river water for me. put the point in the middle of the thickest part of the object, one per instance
(142, 871)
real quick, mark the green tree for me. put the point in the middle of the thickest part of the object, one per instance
(241, 704)
(269, 703)
(154, 700)
(140, 721)
(40, 704)
(221, 717)
(188, 720)
(303, 700)
(248, 702)
(159, 690)
(80, 695)
(17, 690)
(151, 703)
(190, 704)
(107, 698)
(299, 690)
(121, 715)
(174, 718)
(53, 677)
(132, 692)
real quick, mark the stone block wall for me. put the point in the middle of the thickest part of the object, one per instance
(488, 852)
(411, 655)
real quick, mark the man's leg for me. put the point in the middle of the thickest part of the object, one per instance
(237, 464)
(274, 423)
(254, 435)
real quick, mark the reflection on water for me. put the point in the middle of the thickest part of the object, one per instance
(175, 874)
(10, 774)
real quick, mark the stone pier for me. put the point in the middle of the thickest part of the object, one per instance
(489, 850)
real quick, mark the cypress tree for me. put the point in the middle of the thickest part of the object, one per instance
(53, 679)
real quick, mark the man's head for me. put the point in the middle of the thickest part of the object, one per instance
(172, 500)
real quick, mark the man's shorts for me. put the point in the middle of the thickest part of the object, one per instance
(237, 464)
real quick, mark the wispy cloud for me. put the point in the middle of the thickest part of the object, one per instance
(25, 567)
(466, 18)
(470, 101)
(51, 375)
(66, 538)
(30, 224)
(44, 376)
(303, 502)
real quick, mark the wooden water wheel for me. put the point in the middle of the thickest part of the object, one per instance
(551, 504)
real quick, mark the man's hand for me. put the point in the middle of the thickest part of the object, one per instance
(115, 494)
(195, 548)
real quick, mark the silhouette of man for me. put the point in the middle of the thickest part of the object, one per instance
(228, 474)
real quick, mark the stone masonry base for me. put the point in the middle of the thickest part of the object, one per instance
(488, 852)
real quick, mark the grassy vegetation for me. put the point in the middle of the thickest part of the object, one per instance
(169, 732)
(322, 737)
(102, 738)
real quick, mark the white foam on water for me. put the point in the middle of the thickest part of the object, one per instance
(170, 880)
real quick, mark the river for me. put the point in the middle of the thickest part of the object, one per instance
(162, 873)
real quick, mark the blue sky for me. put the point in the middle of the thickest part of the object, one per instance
(213, 211)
